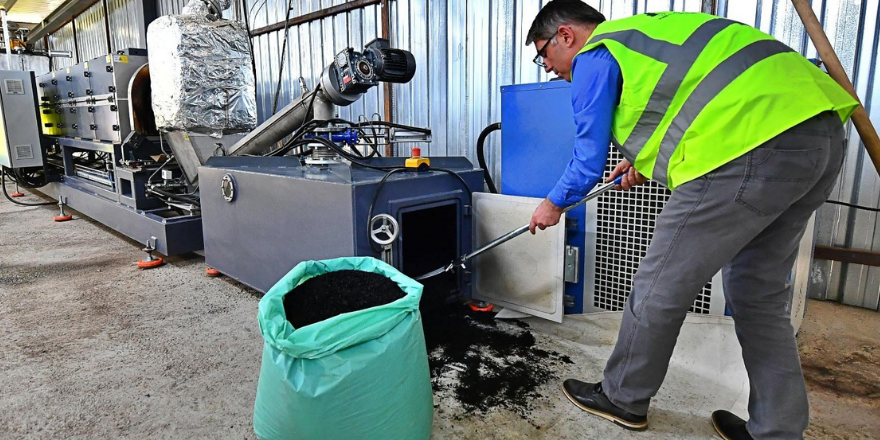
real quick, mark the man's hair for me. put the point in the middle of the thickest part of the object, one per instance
(559, 12)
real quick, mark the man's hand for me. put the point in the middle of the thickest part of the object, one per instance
(547, 214)
(630, 179)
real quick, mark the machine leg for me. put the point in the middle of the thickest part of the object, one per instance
(62, 217)
(211, 272)
(480, 306)
(151, 261)
(17, 192)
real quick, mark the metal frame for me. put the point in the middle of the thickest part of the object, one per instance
(176, 235)
(99, 95)
(317, 15)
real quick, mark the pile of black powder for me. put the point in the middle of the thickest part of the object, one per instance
(486, 364)
(334, 293)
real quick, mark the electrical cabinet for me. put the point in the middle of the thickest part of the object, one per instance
(19, 128)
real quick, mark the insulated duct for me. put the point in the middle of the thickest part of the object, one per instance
(201, 75)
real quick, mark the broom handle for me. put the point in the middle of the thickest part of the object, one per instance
(835, 69)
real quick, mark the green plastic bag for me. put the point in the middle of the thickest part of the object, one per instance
(360, 375)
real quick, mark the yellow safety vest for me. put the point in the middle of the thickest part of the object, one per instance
(700, 91)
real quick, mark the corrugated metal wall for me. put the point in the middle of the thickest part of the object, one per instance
(309, 46)
(467, 50)
(91, 32)
(852, 28)
(39, 45)
(127, 27)
(63, 39)
(127, 30)
(172, 7)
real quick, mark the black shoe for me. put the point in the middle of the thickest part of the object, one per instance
(590, 398)
(729, 426)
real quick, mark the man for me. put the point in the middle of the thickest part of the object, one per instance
(749, 136)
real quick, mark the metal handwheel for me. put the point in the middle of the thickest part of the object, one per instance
(384, 231)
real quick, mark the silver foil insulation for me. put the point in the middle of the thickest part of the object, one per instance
(201, 75)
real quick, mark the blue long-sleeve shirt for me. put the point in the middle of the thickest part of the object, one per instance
(595, 92)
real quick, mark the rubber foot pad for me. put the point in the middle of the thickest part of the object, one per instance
(150, 264)
(16, 195)
(475, 307)
(212, 272)
(59, 218)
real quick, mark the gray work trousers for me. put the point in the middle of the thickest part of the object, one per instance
(746, 218)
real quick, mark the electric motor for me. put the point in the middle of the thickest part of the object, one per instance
(390, 65)
(353, 73)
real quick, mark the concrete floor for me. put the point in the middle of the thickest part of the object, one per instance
(705, 374)
(93, 347)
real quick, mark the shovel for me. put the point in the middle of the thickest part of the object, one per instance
(514, 233)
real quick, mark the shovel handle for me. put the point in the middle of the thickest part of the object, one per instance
(522, 229)
(596, 193)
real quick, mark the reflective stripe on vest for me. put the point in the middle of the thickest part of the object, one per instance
(699, 92)
(679, 60)
(717, 79)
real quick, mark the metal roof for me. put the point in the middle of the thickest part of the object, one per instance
(29, 11)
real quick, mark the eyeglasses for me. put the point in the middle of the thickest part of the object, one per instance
(539, 59)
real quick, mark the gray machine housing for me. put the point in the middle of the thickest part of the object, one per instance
(280, 213)
(85, 110)
(20, 142)
(90, 100)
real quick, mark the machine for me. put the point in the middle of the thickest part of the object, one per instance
(324, 193)
(153, 155)
(23, 147)
(104, 156)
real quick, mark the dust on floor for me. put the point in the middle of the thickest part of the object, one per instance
(486, 364)
(840, 355)
(93, 347)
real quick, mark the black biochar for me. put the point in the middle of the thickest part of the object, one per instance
(485, 364)
(333, 293)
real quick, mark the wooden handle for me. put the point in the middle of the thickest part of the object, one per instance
(835, 69)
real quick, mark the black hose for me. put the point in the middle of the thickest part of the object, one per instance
(6, 193)
(373, 204)
(247, 27)
(393, 125)
(397, 170)
(26, 179)
(851, 205)
(350, 157)
(176, 197)
(373, 146)
(297, 137)
(481, 158)
(283, 52)
(457, 176)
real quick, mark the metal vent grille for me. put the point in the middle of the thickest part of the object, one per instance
(24, 152)
(14, 87)
(625, 226)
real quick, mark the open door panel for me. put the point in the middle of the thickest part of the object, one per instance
(526, 273)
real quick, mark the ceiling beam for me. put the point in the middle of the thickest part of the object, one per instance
(59, 17)
(9, 4)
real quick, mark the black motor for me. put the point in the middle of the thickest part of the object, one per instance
(390, 65)
(353, 73)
